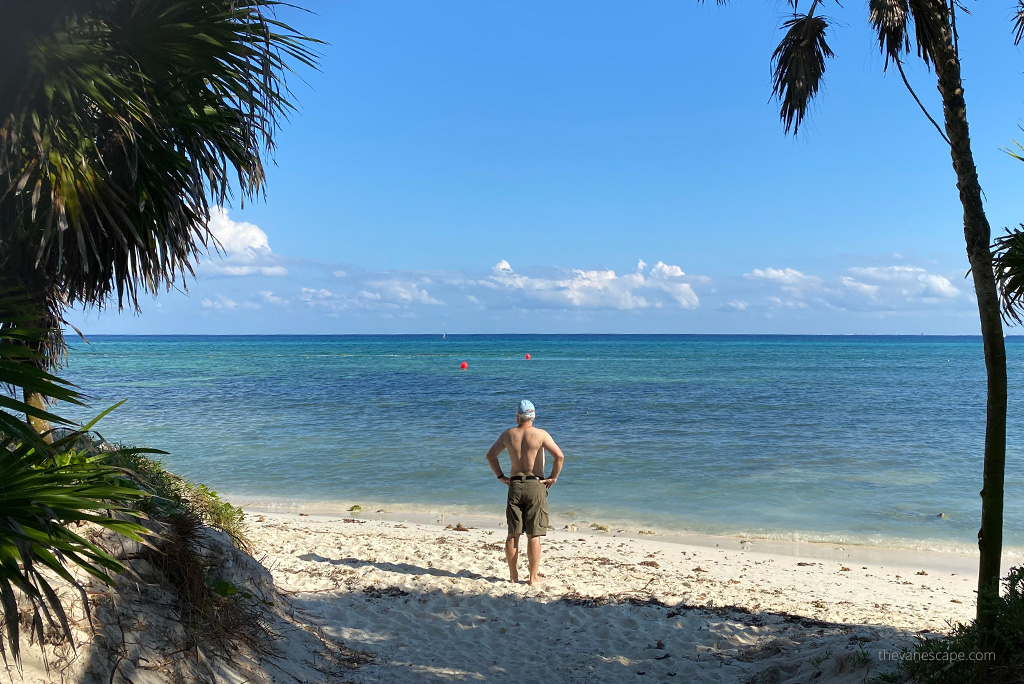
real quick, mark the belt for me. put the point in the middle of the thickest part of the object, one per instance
(520, 478)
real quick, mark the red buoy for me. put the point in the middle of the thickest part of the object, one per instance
(464, 365)
(527, 357)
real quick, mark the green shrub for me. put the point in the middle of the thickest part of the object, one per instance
(953, 659)
(46, 492)
(174, 495)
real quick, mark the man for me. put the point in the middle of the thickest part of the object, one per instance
(527, 508)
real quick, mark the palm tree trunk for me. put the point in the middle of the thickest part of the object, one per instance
(36, 400)
(977, 233)
(42, 324)
(33, 313)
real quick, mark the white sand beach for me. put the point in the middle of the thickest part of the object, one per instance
(433, 603)
(365, 599)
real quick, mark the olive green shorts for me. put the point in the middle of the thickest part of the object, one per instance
(527, 509)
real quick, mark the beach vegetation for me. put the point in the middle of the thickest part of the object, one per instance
(59, 496)
(926, 30)
(178, 515)
(1009, 264)
(171, 495)
(50, 493)
(121, 124)
(214, 611)
(953, 659)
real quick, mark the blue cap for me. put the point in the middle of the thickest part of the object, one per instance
(526, 409)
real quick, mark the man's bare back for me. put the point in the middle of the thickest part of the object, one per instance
(526, 509)
(525, 445)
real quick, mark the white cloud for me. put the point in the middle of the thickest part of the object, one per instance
(599, 289)
(222, 303)
(237, 236)
(231, 270)
(938, 286)
(877, 290)
(789, 277)
(914, 281)
(403, 292)
(887, 273)
(663, 269)
(786, 304)
(270, 298)
(858, 286)
(862, 288)
(246, 248)
(312, 295)
(386, 293)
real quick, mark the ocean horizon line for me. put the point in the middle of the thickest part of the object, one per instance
(552, 335)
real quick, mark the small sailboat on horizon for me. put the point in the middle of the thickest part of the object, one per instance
(444, 335)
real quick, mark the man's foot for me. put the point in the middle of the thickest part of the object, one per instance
(539, 579)
(514, 576)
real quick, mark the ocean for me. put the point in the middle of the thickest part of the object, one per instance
(851, 439)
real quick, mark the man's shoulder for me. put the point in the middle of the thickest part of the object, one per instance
(541, 431)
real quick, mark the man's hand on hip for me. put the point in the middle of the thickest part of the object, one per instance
(550, 481)
(504, 480)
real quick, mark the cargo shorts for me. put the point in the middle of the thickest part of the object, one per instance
(527, 509)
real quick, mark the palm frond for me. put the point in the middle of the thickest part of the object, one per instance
(46, 487)
(1018, 23)
(799, 64)
(127, 120)
(43, 490)
(1014, 154)
(1008, 263)
(889, 18)
(931, 22)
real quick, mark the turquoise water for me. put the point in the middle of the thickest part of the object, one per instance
(858, 439)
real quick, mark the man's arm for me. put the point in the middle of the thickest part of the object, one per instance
(557, 456)
(492, 458)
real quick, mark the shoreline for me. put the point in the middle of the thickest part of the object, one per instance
(952, 560)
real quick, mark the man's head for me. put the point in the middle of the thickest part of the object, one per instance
(525, 413)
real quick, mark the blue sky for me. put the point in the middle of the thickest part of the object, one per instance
(602, 167)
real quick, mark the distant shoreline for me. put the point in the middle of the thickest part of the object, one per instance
(948, 559)
(554, 335)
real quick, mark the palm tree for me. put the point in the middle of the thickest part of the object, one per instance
(121, 121)
(47, 488)
(927, 28)
(1009, 269)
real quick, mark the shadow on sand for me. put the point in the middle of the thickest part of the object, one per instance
(437, 626)
(401, 568)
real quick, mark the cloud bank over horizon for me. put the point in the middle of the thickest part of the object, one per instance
(250, 288)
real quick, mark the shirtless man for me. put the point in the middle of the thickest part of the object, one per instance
(527, 508)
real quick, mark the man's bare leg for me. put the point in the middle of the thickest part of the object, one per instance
(533, 554)
(512, 556)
